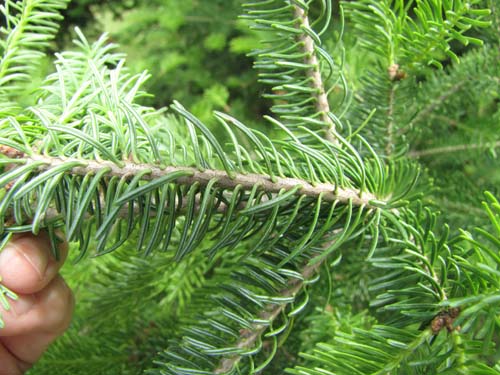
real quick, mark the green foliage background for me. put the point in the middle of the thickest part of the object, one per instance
(196, 50)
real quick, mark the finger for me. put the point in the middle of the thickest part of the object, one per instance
(11, 365)
(34, 322)
(46, 312)
(40, 320)
(26, 350)
(26, 263)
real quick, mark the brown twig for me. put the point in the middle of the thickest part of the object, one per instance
(390, 118)
(322, 105)
(249, 337)
(329, 191)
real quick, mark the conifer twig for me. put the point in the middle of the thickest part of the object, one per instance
(433, 105)
(451, 149)
(396, 74)
(322, 105)
(249, 337)
(329, 191)
(390, 118)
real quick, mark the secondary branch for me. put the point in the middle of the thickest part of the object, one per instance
(322, 105)
(451, 149)
(390, 118)
(250, 336)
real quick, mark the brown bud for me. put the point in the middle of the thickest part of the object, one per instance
(395, 73)
(437, 324)
(445, 319)
(11, 152)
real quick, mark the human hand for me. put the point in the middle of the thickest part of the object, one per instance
(44, 308)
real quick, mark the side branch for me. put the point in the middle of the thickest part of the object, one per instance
(250, 336)
(451, 149)
(390, 118)
(322, 105)
(329, 191)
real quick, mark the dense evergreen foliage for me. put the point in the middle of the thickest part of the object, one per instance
(296, 190)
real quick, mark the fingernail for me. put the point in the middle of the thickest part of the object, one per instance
(25, 249)
(24, 304)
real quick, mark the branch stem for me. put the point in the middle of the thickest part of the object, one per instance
(13, 39)
(329, 191)
(435, 104)
(451, 149)
(321, 98)
(390, 118)
(250, 336)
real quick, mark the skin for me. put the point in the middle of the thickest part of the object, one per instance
(45, 305)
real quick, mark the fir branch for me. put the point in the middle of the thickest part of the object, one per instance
(386, 29)
(416, 277)
(314, 73)
(329, 192)
(32, 29)
(389, 146)
(293, 66)
(435, 104)
(452, 149)
(248, 337)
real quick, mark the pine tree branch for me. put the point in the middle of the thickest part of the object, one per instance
(451, 149)
(322, 105)
(33, 28)
(329, 191)
(433, 105)
(15, 36)
(249, 337)
(389, 146)
(396, 74)
(405, 354)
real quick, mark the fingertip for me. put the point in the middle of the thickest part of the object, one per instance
(23, 262)
(42, 317)
(49, 311)
(26, 263)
